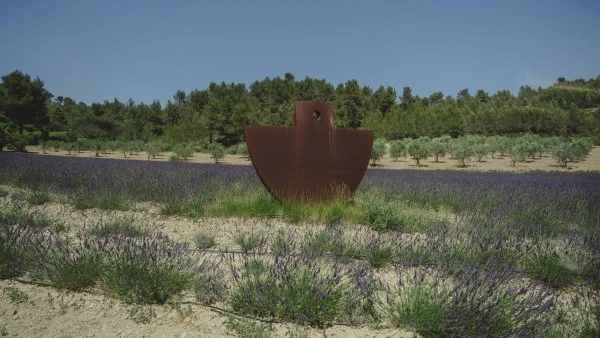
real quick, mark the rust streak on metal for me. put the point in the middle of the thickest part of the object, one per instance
(312, 161)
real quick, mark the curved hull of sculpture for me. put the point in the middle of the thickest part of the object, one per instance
(311, 161)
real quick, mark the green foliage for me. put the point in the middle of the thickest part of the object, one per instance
(209, 287)
(18, 142)
(128, 148)
(380, 254)
(147, 271)
(45, 147)
(592, 327)
(549, 270)
(204, 241)
(107, 201)
(420, 309)
(378, 151)
(24, 100)
(120, 226)
(249, 242)
(30, 218)
(419, 149)
(153, 149)
(69, 147)
(242, 149)
(462, 151)
(38, 197)
(380, 213)
(517, 152)
(335, 212)
(175, 158)
(183, 151)
(438, 148)
(299, 295)
(14, 246)
(98, 147)
(217, 151)
(397, 149)
(67, 264)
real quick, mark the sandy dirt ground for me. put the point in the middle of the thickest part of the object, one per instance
(498, 163)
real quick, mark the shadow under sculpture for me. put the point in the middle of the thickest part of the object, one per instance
(312, 161)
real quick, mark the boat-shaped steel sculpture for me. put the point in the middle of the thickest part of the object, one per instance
(312, 161)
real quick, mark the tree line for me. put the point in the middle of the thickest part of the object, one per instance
(218, 113)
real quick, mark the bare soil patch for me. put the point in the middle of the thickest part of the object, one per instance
(498, 163)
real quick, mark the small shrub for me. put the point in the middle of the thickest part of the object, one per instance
(14, 248)
(45, 147)
(421, 309)
(175, 158)
(38, 198)
(31, 219)
(153, 149)
(123, 226)
(249, 242)
(3, 192)
(67, 264)
(242, 149)
(475, 302)
(380, 254)
(319, 243)
(147, 270)
(301, 294)
(128, 148)
(335, 212)
(183, 151)
(378, 151)
(380, 214)
(209, 285)
(283, 243)
(204, 241)
(217, 151)
(548, 269)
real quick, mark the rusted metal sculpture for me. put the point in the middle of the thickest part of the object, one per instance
(312, 161)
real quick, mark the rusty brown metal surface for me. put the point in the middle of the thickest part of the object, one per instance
(312, 161)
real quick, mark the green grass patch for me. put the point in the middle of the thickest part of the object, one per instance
(204, 240)
(38, 198)
(548, 269)
(249, 242)
(125, 226)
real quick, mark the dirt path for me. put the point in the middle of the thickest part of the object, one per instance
(499, 163)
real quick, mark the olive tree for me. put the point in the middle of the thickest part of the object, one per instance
(462, 151)
(378, 150)
(217, 151)
(418, 149)
(438, 147)
(397, 149)
(183, 151)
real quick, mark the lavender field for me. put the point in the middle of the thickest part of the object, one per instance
(440, 253)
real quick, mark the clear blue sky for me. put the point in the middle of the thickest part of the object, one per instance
(93, 51)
